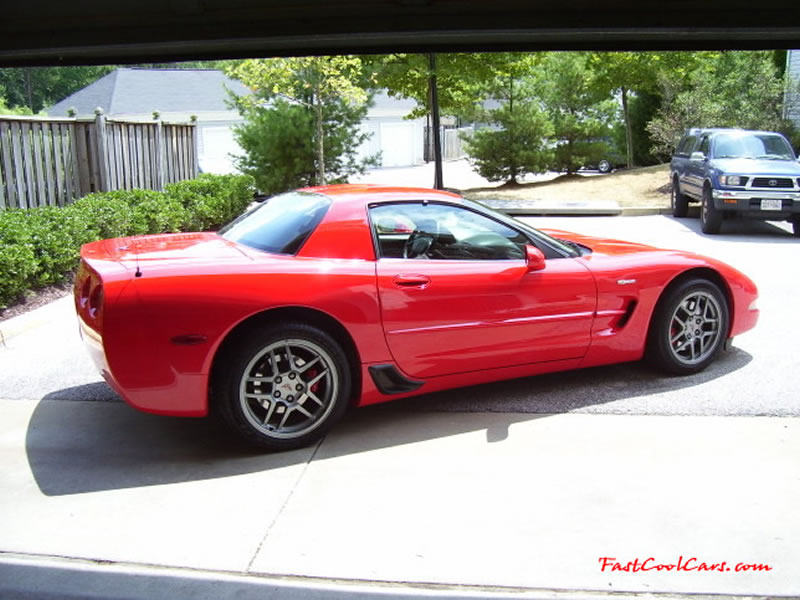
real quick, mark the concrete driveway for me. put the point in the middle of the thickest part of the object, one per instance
(518, 489)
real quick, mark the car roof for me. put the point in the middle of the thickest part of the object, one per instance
(363, 193)
(717, 130)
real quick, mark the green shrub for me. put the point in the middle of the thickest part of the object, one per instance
(105, 215)
(18, 263)
(55, 241)
(211, 201)
(41, 246)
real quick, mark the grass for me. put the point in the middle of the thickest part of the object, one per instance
(630, 188)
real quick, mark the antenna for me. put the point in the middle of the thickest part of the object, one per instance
(136, 253)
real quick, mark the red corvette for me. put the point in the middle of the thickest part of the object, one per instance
(339, 295)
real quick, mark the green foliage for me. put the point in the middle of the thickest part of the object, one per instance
(580, 111)
(106, 215)
(277, 144)
(461, 78)
(39, 87)
(324, 86)
(278, 141)
(40, 246)
(207, 202)
(728, 89)
(518, 141)
(18, 263)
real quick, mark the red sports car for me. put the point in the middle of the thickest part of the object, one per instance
(354, 294)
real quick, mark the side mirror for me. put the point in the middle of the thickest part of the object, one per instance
(534, 258)
(697, 156)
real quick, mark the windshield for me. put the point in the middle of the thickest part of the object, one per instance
(281, 225)
(755, 145)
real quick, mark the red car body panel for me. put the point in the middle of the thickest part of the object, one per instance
(154, 310)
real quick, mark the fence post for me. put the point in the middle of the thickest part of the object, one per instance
(102, 148)
(195, 146)
(160, 158)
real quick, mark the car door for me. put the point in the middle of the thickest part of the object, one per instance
(696, 170)
(456, 293)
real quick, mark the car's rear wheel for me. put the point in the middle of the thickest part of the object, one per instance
(284, 387)
(679, 202)
(710, 217)
(689, 327)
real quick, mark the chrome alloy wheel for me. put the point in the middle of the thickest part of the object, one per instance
(695, 327)
(289, 388)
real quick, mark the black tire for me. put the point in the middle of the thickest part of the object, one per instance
(604, 166)
(689, 327)
(678, 201)
(796, 226)
(283, 387)
(710, 217)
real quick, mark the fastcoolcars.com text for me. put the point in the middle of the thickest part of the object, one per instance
(691, 564)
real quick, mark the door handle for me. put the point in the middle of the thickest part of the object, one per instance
(411, 280)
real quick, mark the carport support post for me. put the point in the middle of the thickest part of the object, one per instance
(437, 142)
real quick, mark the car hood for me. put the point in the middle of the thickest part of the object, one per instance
(604, 246)
(764, 167)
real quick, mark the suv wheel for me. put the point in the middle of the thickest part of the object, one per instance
(710, 217)
(678, 202)
(796, 225)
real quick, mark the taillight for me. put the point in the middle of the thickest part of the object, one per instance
(85, 289)
(96, 300)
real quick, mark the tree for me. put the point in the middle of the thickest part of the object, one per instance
(580, 111)
(39, 87)
(627, 73)
(460, 77)
(518, 142)
(278, 141)
(320, 84)
(752, 99)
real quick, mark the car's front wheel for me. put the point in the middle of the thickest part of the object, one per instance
(689, 327)
(796, 226)
(710, 217)
(678, 201)
(283, 387)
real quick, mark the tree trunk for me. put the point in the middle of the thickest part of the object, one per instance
(628, 127)
(29, 89)
(318, 118)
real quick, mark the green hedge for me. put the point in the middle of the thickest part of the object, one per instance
(41, 246)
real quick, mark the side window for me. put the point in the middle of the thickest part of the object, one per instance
(443, 232)
(705, 146)
(686, 145)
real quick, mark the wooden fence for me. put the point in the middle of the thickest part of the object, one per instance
(50, 161)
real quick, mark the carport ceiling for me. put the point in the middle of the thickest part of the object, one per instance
(118, 31)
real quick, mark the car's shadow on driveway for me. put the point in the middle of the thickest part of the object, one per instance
(740, 230)
(100, 444)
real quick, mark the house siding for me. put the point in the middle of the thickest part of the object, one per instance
(792, 103)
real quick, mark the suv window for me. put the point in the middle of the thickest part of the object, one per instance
(705, 145)
(441, 231)
(757, 145)
(281, 225)
(686, 145)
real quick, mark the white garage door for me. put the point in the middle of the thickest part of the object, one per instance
(397, 144)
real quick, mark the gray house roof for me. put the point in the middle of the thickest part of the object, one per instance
(141, 91)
